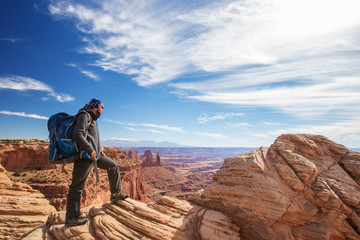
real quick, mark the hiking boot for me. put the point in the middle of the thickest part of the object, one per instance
(76, 221)
(118, 196)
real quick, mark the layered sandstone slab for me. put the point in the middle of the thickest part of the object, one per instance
(21, 208)
(168, 218)
(302, 187)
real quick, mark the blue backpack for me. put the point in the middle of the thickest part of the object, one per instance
(62, 148)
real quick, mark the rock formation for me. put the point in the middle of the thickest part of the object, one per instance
(21, 208)
(158, 161)
(168, 218)
(302, 187)
(20, 156)
(148, 159)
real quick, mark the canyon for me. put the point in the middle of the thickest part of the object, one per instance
(301, 187)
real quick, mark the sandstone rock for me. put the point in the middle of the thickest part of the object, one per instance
(168, 218)
(148, 159)
(158, 160)
(21, 156)
(302, 187)
(21, 208)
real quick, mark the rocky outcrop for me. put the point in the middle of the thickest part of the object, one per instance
(302, 187)
(20, 156)
(168, 218)
(21, 208)
(158, 160)
(148, 159)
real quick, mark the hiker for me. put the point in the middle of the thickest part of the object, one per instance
(86, 136)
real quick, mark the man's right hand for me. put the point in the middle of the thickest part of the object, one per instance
(93, 155)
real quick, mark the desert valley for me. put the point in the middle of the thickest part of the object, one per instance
(301, 187)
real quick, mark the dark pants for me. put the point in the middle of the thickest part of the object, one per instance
(82, 168)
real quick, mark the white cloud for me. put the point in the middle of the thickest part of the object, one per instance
(21, 83)
(12, 40)
(339, 131)
(211, 135)
(270, 123)
(131, 129)
(154, 131)
(239, 124)
(22, 114)
(264, 53)
(338, 97)
(220, 116)
(164, 127)
(88, 74)
(120, 139)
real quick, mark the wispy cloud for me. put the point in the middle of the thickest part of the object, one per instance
(271, 123)
(22, 114)
(131, 129)
(211, 135)
(163, 127)
(339, 131)
(252, 52)
(12, 40)
(87, 73)
(220, 116)
(21, 83)
(238, 124)
(154, 131)
(120, 139)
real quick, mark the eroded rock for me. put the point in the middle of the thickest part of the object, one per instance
(21, 208)
(302, 187)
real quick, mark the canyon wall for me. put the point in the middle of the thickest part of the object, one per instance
(30, 163)
(20, 156)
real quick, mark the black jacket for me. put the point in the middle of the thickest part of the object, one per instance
(86, 133)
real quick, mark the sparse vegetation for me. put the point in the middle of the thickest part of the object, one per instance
(16, 174)
(13, 141)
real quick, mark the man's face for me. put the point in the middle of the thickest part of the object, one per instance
(98, 111)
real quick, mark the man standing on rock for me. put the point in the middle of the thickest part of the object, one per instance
(86, 136)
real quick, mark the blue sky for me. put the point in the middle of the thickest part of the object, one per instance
(199, 73)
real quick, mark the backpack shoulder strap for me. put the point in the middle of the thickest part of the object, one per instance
(89, 118)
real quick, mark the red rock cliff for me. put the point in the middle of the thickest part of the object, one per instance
(31, 163)
(20, 156)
